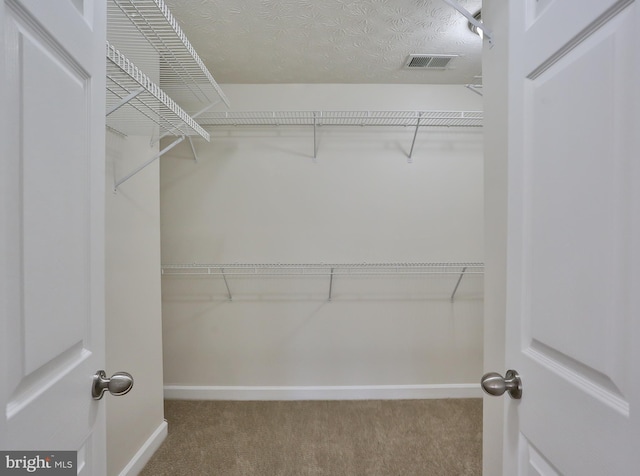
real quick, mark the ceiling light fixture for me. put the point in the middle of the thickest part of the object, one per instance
(474, 28)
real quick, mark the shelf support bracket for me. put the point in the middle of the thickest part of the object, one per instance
(226, 284)
(463, 11)
(458, 283)
(148, 162)
(415, 134)
(193, 149)
(330, 284)
(315, 147)
(474, 88)
(125, 100)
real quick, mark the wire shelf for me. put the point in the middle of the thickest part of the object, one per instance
(414, 119)
(370, 269)
(331, 271)
(134, 25)
(149, 104)
(344, 118)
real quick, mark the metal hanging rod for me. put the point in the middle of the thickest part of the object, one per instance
(332, 271)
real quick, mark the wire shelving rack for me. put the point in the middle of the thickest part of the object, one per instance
(344, 118)
(164, 99)
(145, 32)
(316, 119)
(126, 83)
(456, 271)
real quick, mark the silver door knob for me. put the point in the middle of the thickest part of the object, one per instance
(494, 384)
(120, 383)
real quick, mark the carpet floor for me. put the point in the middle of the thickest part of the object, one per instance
(332, 438)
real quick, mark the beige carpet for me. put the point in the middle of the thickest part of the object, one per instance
(299, 438)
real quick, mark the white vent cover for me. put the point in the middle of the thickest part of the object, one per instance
(428, 61)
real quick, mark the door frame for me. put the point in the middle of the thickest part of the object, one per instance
(495, 127)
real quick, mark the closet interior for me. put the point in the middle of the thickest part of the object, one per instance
(318, 240)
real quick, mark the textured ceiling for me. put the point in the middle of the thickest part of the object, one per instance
(329, 41)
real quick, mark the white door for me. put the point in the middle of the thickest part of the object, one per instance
(573, 273)
(52, 227)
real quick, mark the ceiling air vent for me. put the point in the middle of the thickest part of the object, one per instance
(428, 61)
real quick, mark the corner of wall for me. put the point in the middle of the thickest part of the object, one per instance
(133, 302)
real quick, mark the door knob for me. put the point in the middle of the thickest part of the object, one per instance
(119, 384)
(494, 384)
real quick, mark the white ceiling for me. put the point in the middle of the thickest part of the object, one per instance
(329, 41)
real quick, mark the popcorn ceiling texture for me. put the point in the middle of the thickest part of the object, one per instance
(329, 41)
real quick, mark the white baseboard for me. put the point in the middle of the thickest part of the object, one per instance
(355, 392)
(146, 451)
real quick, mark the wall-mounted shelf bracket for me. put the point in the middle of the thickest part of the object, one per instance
(124, 101)
(226, 283)
(330, 284)
(147, 163)
(193, 149)
(486, 33)
(453, 295)
(315, 125)
(415, 134)
(476, 88)
(476, 85)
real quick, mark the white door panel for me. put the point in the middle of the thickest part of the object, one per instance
(575, 188)
(55, 201)
(572, 300)
(52, 226)
(561, 26)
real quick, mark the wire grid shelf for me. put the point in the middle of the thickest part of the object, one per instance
(344, 118)
(453, 271)
(133, 25)
(151, 103)
(298, 270)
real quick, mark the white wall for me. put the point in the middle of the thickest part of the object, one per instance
(256, 196)
(133, 303)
